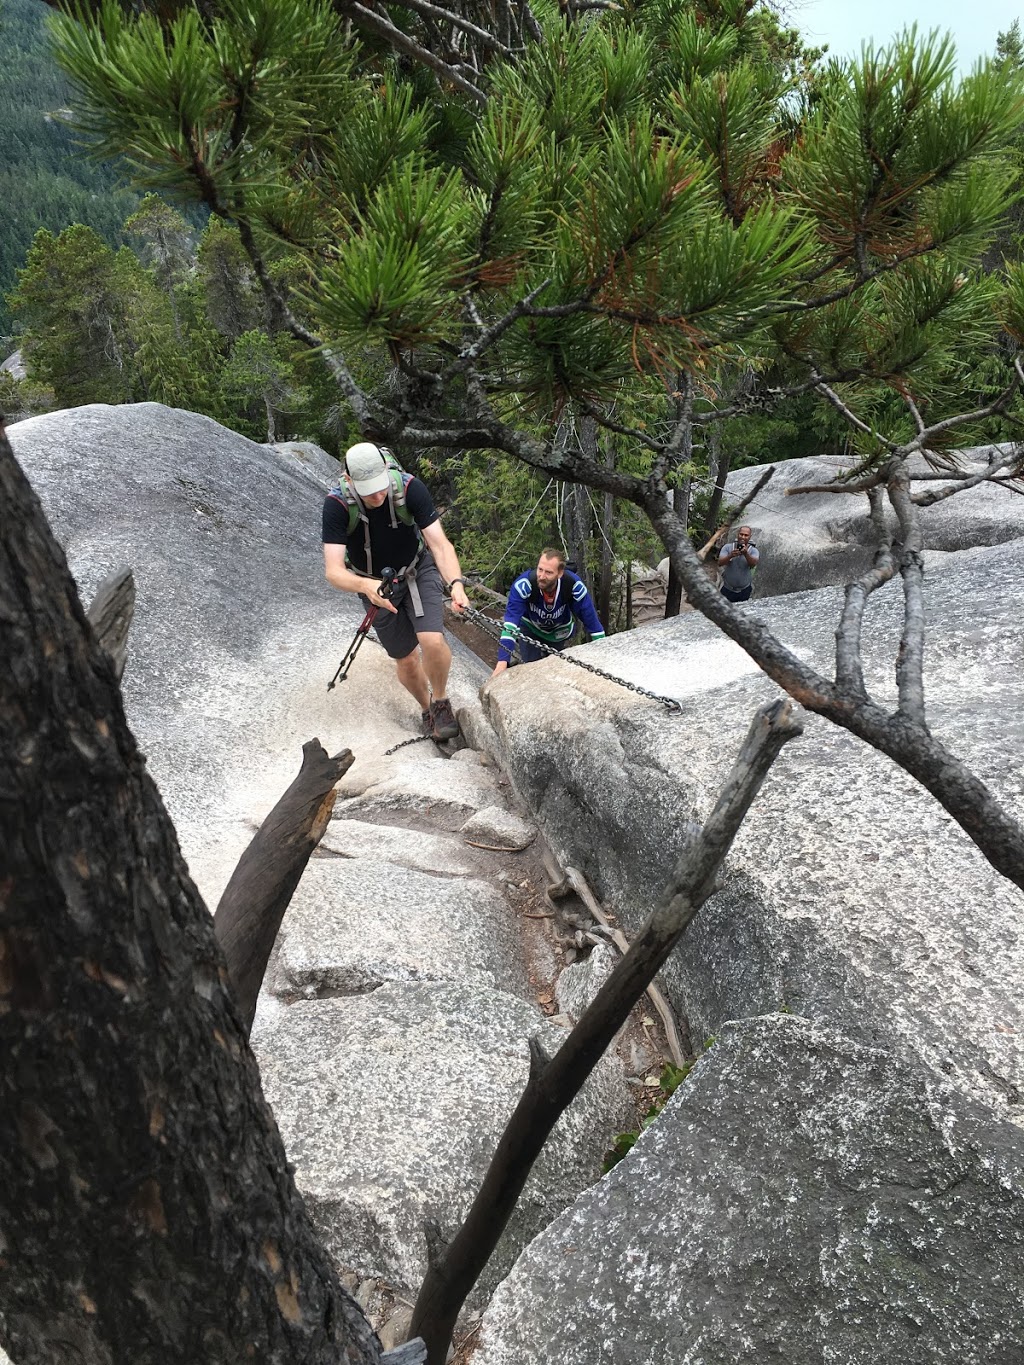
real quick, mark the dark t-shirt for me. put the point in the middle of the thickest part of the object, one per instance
(393, 547)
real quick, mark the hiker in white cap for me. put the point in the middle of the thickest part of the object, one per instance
(380, 518)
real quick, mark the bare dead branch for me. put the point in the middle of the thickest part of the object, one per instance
(254, 901)
(402, 42)
(574, 880)
(865, 485)
(762, 482)
(960, 419)
(495, 331)
(850, 416)
(448, 16)
(287, 320)
(110, 615)
(998, 462)
(913, 410)
(609, 424)
(550, 1091)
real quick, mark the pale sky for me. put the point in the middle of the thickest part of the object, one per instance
(845, 24)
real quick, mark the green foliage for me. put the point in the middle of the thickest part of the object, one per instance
(671, 1079)
(678, 191)
(44, 180)
(258, 385)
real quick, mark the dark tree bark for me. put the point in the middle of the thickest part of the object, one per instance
(147, 1210)
(262, 885)
(555, 1082)
(718, 493)
(674, 590)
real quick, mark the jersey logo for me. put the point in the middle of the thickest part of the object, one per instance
(579, 591)
(522, 587)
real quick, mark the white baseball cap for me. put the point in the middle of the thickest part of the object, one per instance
(366, 468)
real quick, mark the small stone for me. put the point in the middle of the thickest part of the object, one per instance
(396, 1329)
(365, 1293)
(499, 828)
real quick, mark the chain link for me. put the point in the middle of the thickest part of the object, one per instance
(416, 739)
(491, 627)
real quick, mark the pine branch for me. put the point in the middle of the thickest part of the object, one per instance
(495, 332)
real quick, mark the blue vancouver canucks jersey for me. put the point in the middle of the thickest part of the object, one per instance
(553, 624)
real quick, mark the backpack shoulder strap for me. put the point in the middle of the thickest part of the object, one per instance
(341, 493)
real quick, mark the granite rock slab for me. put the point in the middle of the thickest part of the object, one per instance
(356, 923)
(849, 896)
(443, 853)
(449, 792)
(236, 632)
(814, 539)
(390, 1105)
(800, 1200)
(499, 828)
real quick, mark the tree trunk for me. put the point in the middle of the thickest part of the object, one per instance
(147, 1209)
(718, 493)
(591, 448)
(604, 594)
(579, 529)
(674, 592)
(679, 498)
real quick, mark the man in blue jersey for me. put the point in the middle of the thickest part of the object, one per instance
(545, 605)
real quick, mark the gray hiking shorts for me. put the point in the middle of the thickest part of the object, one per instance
(398, 634)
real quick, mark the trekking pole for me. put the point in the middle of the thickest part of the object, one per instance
(387, 583)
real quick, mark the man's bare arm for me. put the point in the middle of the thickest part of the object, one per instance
(339, 575)
(447, 561)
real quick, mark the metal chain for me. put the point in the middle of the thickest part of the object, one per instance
(416, 739)
(489, 626)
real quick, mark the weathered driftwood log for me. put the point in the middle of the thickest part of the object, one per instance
(555, 1081)
(261, 886)
(110, 615)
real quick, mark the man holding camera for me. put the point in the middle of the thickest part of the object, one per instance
(400, 533)
(737, 561)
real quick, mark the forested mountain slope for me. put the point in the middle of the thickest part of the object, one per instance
(45, 180)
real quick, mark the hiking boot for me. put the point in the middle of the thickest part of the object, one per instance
(428, 724)
(443, 718)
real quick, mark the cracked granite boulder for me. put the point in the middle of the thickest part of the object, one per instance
(800, 1201)
(849, 896)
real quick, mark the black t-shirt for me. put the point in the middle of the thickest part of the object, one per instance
(393, 547)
